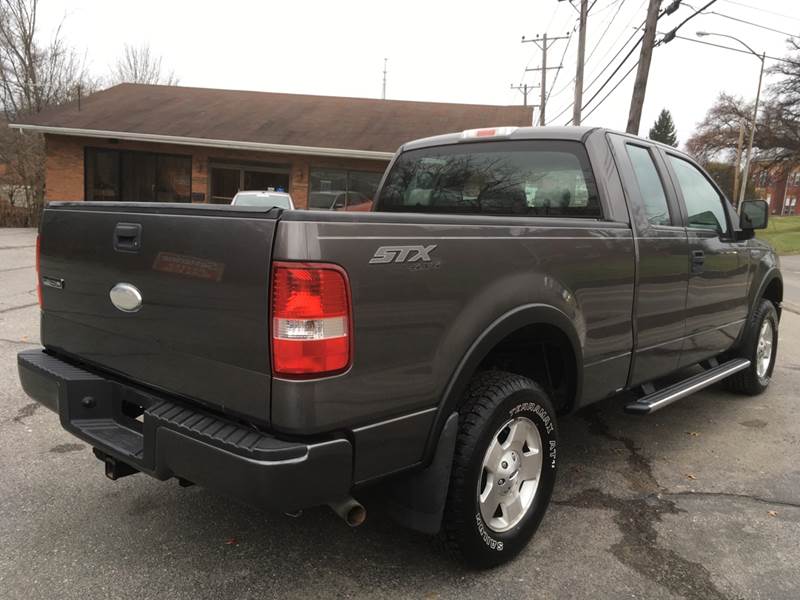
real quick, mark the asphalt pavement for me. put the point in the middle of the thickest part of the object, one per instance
(700, 500)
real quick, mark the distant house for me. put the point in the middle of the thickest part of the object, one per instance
(178, 144)
(779, 186)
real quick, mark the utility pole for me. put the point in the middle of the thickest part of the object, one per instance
(738, 164)
(576, 107)
(543, 43)
(646, 54)
(383, 96)
(524, 88)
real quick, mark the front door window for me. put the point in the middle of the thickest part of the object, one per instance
(704, 209)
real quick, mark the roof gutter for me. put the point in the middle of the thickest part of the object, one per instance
(206, 142)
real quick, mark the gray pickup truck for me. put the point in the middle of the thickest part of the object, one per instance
(505, 277)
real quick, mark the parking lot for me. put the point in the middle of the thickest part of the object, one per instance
(700, 500)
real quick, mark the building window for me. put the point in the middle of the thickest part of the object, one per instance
(228, 179)
(137, 176)
(796, 179)
(334, 189)
(763, 180)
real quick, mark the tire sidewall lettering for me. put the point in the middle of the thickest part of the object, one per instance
(546, 423)
(487, 539)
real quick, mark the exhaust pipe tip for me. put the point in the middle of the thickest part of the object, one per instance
(350, 510)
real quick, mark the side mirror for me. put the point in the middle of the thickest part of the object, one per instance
(754, 214)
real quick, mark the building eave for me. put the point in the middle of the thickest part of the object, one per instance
(206, 142)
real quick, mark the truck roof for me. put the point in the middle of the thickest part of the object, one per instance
(504, 133)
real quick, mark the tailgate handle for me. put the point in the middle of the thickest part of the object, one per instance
(127, 237)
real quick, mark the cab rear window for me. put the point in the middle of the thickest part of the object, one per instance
(525, 178)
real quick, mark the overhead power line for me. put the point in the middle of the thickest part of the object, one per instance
(611, 91)
(610, 22)
(779, 59)
(628, 26)
(746, 22)
(615, 71)
(671, 34)
(607, 6)
(761, 9)
(603, 70)
(669, 9)
(561, 62)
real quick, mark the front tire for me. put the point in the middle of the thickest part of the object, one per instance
(760, 346)
(504, 469)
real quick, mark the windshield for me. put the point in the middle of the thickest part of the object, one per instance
(278, 200)
(532, 178)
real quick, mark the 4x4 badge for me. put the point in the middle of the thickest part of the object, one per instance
(401, 254)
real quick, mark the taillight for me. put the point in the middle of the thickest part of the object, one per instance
(311, 320)
(38, 276)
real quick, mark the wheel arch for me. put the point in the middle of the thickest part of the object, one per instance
(503, 328)
(770, 288)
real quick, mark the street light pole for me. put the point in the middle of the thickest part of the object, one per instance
(762, 57)
(752, 134)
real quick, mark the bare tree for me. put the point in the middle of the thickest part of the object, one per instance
(777, 135)
(33, 76)
(139, 65)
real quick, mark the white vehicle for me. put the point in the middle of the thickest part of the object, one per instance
(263, 198)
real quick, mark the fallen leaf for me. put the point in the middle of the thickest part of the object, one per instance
(772, 513)
(231, 542)
(690, 476)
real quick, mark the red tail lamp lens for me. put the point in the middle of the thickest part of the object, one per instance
(311, 320)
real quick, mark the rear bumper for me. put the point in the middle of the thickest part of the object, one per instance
(175, 440)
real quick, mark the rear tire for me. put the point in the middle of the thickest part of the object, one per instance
(760, 346)
(497, 463)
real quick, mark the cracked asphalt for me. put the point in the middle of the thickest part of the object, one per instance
(700, 500)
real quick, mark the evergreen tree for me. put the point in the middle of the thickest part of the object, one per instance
(663, 130)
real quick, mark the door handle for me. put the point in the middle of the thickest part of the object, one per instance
(127, 237)
(698, 259)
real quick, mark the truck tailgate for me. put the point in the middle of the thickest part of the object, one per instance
(203, 275)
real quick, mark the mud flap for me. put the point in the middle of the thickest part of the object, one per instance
(417, 500)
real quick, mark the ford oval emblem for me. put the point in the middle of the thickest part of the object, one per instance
(126, 297)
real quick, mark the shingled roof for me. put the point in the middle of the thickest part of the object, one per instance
(269, 121)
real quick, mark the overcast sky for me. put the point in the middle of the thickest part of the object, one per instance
(447, 51)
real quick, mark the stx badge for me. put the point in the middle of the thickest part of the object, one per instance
(402, 254)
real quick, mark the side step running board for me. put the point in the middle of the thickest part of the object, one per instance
(661, 398)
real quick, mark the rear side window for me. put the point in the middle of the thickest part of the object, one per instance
(650, 186)
(524, 178)
(704, 207)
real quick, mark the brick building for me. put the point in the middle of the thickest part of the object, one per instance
(780, 187)
(177, 144)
